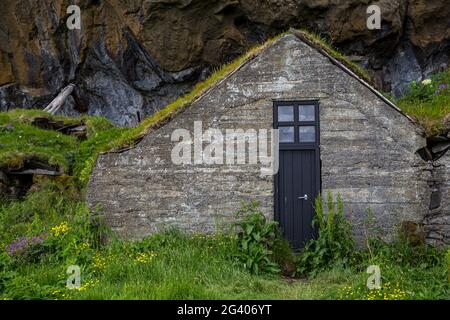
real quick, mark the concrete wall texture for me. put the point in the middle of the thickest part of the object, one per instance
(368, 153)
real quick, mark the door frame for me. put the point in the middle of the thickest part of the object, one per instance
(298, 145)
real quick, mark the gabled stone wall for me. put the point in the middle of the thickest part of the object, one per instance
(368, 152)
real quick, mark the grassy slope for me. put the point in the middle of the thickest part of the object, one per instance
(184, 267)
(130, 137)
(423, 104)
(24, 141)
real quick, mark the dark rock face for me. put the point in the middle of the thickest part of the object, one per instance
(133, 57)
(115, 75)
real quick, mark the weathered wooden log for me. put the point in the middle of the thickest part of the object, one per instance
(58, 102)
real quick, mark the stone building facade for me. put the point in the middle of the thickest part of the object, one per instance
(368, 153)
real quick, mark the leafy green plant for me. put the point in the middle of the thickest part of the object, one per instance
(334, 244)
(256, 238)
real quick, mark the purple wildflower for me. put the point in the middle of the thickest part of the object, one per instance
(18, 247)
(442, 86)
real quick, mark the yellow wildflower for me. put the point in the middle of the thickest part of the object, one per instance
(88, 284)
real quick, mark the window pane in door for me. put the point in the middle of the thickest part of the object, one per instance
(307, 113)
(286, 114)
(287, 134)
(307, 134)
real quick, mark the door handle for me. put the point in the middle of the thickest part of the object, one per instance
(305, 197)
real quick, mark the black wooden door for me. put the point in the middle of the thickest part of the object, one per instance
(298, 181)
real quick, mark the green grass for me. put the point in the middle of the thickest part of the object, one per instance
(31, 142)
(130, 137)
(427, 104)
(428, 108)
(56, 149)
(408, 273)
(187, 268)
(174, 265)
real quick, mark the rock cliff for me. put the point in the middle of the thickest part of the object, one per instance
(131, 57)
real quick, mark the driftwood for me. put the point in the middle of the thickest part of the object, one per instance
(58, 102)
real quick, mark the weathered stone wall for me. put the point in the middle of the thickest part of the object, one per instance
(367, 152)
(437, 223)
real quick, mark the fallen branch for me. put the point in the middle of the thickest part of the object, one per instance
(58, 102)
